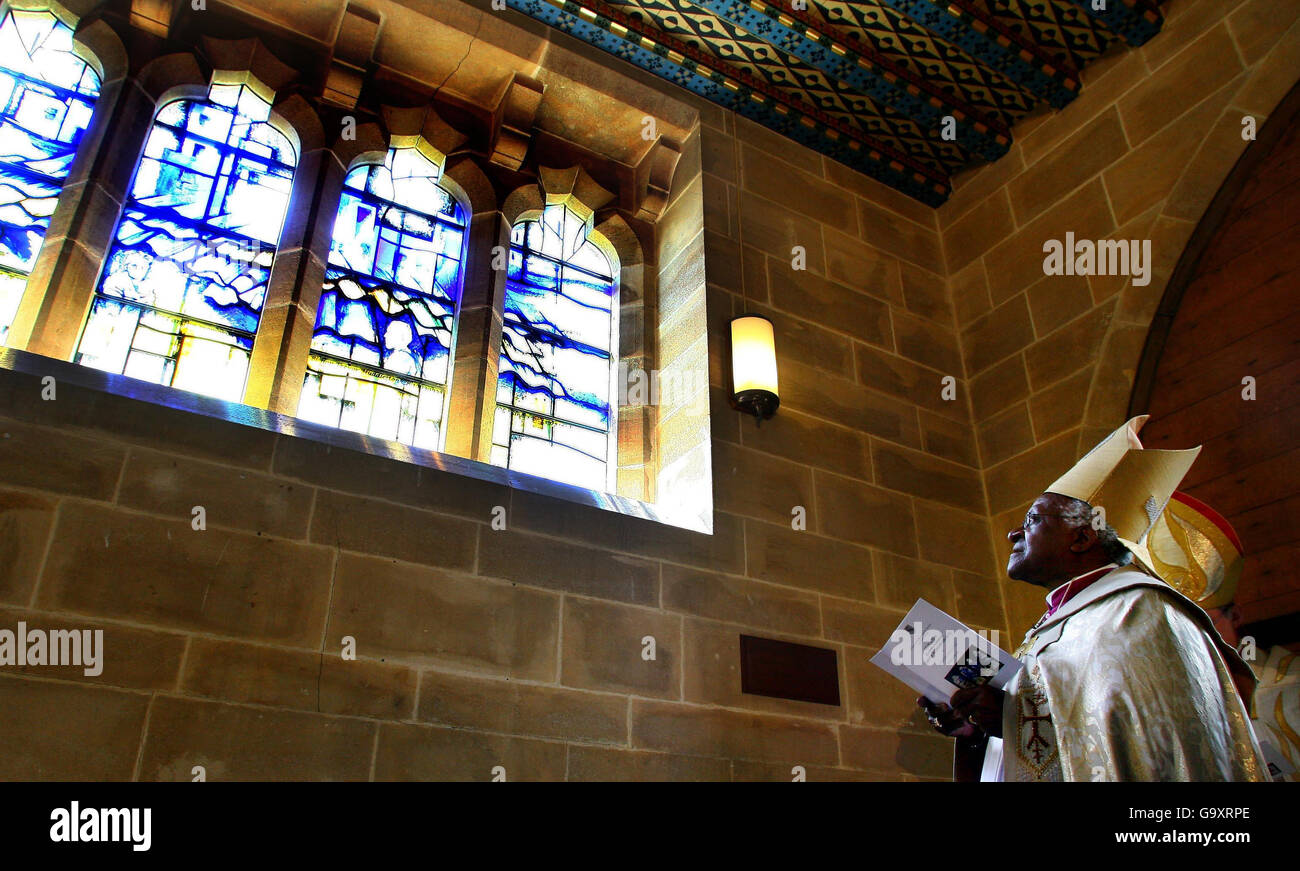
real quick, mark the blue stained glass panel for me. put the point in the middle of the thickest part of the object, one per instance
(47, 95)
(185, 279)
(381, 353)
(553, 414)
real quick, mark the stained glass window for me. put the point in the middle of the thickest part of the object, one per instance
(185, 278)
(555, 375)
(47, 94)
(381, 352)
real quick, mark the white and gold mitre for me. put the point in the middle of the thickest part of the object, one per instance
(1197, 551)
(1130, 483)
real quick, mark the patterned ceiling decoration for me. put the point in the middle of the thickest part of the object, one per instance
(909, 92)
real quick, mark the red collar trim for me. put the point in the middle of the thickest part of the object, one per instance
(1074, 587)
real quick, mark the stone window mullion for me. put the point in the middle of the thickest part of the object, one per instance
(472, 402)
(280, 351)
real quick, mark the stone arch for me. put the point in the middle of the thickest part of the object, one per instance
(99, 45)
(369, 145)
(1170, 221)
(1227, 326)
(468, 183)
(620, 240)
(302, 122)
(1284, 117)
(173, 77)
(103, 50)
(1171, 225)
(597, 237)
(522, 204)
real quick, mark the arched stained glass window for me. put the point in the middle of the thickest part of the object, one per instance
(185, 279)
(555, 378)
(381, 352)
(47, 95)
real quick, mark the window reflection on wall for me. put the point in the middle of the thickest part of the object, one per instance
(47, 95)
(381, 352)
(553, 416)
(185, 279)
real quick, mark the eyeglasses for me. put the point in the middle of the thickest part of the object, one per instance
(1025, 525)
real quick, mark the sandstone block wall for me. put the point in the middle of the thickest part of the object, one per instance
(522, 648)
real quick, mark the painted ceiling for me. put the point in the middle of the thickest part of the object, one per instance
(909, 92)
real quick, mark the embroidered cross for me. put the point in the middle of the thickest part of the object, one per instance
(1037, 744)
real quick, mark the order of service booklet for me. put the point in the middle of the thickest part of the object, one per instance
(936, 654)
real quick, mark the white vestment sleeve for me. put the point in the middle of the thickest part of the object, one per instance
(992, 771)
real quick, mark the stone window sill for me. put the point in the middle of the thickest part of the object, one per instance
(246, 415)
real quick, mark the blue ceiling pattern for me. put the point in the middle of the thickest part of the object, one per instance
(909, 92)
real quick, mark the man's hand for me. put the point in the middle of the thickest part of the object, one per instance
(981, 707)
(945, 721)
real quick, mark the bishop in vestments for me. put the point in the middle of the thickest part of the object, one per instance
(1124, 677)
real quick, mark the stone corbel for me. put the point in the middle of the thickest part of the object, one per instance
(248, 62)
(512, 122)
(354, 48)
(423, 128)
(154, 16)
(577, 191)
(573, 186)
(659, 166)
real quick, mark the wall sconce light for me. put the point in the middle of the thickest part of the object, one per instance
(753, 366)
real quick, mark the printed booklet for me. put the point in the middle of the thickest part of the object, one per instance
(936, 654)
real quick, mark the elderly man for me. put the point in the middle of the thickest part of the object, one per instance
(1124, 678)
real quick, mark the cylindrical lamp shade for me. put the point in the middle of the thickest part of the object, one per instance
(753, 365)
